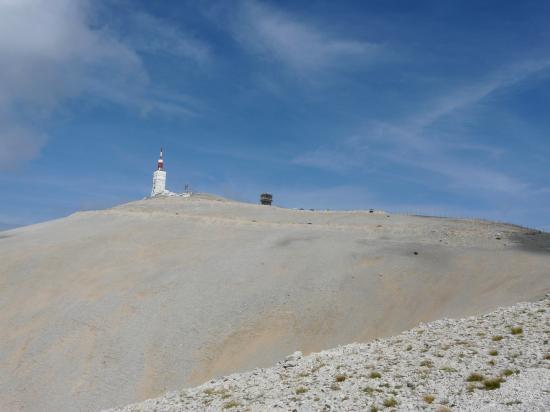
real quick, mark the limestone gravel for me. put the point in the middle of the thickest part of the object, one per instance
(476, 363)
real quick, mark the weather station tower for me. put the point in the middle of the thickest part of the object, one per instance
(159, 177)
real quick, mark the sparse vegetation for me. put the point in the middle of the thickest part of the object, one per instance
(516, 330)
(340, 378)
(427, 363)
(496, 338)
(475, 377)
(390, 402)
(491, 384)
(231, 404)
(300, 390)
(375, 375)
(507, 372)
(428, 398)
(493, 352)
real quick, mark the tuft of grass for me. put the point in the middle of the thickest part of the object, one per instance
(490, 384)
(493, 352)
(375, 375)
(427, 363)
(300, 390)
(390, 402)
(448, 369)
(231, 404)
(368, 390)
(496, 338)
(516, 330)
(340, 378)
(475, 377)
(507, 372)
(409, 348)
(491, 362)
(373, 409)
(428, 398)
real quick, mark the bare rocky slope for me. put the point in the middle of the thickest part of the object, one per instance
(495, 362)
(115, 306)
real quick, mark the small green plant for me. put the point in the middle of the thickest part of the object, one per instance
(375, 375)
(516, 330)
(340, 378)
(493, 352)
(428, 398)
(490, 384)
(390, 402)
(496, 338)
(448, 369)
(491, 362)
(373, 409)
(475, 377)
(409, 348)
(507, 372)
(231, 404)
(368, 390)
(427, 363)
(300, 390)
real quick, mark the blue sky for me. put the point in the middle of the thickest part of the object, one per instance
(433, 107)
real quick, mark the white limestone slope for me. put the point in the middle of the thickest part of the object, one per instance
(115, 306)
(495, 362)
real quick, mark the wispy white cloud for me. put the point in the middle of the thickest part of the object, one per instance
(416, 141)
(298, 44)
(153, 35)
(51, 51)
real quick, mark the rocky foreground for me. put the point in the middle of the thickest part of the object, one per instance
(495, 362)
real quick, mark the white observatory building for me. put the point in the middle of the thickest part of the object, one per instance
(159, 181)
(159, 178)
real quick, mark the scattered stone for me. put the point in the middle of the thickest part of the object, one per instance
(380, 374)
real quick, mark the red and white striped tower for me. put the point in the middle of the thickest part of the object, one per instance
(159, 177)
(160, 162)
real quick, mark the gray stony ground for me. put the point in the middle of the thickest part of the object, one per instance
(495, 362)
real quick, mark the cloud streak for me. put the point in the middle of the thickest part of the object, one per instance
(299, 45)
(417, 141)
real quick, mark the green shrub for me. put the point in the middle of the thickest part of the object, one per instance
(300, 390)
(496, 338)
(340, 378)
(490, 384)
(475, 377)
(390, 402)
(493, 352)
(231, 404)
(375, 375)
(516, 330)
(429, 398)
